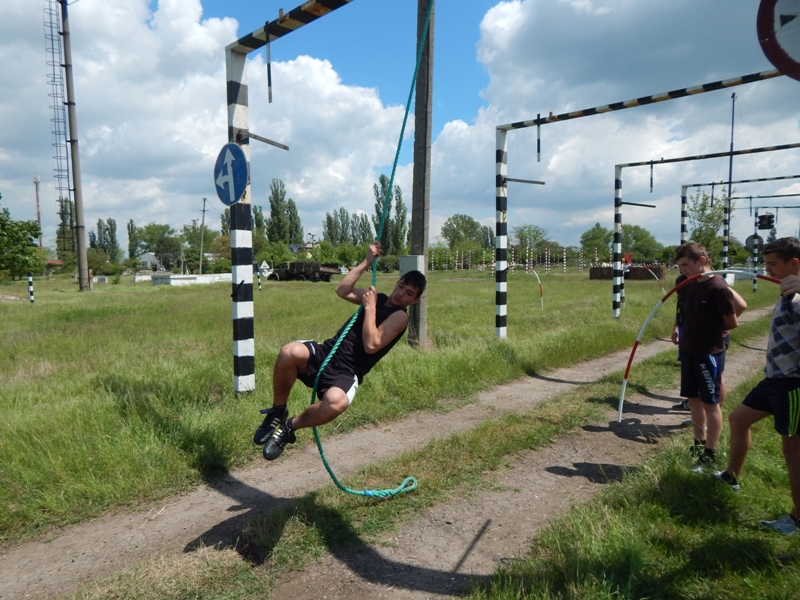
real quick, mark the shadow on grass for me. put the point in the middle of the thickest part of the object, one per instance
(634, 430)
(593, 472)
(265, 522)
(535, 375)
(259, 525)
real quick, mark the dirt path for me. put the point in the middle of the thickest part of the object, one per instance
(445, 549)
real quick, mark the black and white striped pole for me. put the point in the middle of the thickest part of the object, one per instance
(239, 135)
(232, 179)
(501, 236)
(756, 249)
(30, 286)
(684, 214)
(617, 297)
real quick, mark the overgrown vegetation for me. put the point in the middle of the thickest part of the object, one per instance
(135, 386)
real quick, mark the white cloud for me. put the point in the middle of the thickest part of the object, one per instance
(150, 91)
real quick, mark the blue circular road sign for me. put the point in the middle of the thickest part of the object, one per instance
(230, 174)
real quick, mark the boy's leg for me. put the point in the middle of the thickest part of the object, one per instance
(291, 362)
(334, 402)
(713, 414)
(698, 418)
(740, 421)
(791, 452)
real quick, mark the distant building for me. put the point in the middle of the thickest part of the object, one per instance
(52, 265)
(148, 259)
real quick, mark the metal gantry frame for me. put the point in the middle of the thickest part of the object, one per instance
(618, 290)
(239, 133)
(685, 201)
(501, 168)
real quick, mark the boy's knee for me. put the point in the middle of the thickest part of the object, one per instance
(292, 352)
(734, 419)
(337, 400)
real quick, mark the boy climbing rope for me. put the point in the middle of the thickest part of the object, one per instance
(378, 327)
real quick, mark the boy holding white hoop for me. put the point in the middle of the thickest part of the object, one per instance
(708, 312)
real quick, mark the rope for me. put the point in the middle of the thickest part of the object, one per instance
(409, 483)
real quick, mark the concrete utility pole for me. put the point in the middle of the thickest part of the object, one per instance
(38, 208)
(421, 186)
(202, 231)
(83, 263)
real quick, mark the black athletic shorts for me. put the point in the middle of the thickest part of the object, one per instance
(779, 396)
(701, 375)
(348, 382)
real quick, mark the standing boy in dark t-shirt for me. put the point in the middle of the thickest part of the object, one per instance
(708, 311)
(376, 330)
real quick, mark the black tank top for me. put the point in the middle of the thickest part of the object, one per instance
(351, 357)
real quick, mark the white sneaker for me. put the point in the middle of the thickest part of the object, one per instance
(785, 525)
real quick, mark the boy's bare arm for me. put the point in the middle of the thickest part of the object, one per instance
(730, 322)
(346, 288)
(739, 304)
(377, 337)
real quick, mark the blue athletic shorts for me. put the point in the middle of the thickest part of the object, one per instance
(779, 396)
(348, 382)
(701, 375)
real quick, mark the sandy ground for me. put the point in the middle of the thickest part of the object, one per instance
(442, 551)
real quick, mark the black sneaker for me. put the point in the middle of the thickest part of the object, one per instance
(275, 415)
(697, 449)
(683, 405)
(283, 435)
(727, 479)
(705, 461)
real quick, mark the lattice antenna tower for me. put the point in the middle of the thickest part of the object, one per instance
(55, 77)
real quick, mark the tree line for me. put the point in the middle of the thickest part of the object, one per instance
(279, 237)
(465, 234)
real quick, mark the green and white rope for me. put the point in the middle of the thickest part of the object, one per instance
(409, 483)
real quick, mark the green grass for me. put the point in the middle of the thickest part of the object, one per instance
(123, 395)
(668, 533)
(664, 532)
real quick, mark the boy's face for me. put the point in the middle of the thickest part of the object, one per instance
(689, 267)
(404, 295)
(779, 268)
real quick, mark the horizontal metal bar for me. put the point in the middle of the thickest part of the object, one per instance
(524, 180)
(665, 161)
(253, 136)
(304, 14)
(637, 204)
(680, 93)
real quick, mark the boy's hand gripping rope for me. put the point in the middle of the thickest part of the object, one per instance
(409, 483)
(659, 304)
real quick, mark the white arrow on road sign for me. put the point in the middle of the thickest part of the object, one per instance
(227, 177)
(230, 174)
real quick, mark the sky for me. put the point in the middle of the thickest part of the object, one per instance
(151, 109)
